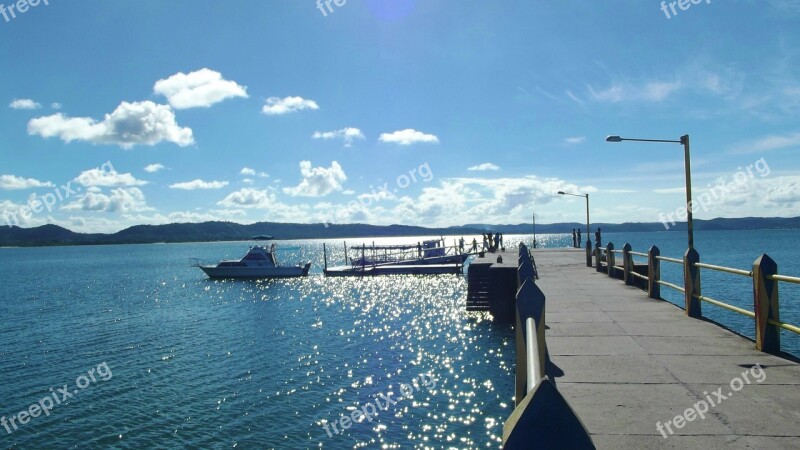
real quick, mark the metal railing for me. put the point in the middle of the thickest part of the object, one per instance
(765, 287)
(530, 327)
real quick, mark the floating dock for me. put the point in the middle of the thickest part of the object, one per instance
(377, 260)
(419, 269)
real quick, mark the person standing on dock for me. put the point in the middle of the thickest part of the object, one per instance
(474, 245)
(485, 243)
(491, 241)
(574, 239)
(461, 244)
(579, 238)
(597, 238)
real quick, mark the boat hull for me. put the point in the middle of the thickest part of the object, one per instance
(253, 273)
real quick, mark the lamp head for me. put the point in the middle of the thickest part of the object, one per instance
(561, 193)
(613, 139)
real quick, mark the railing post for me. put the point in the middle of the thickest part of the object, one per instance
(610, 259)
(691, 283)
(627, 264)
(588, 252)
(765, 298)
(654, 273)
(598, 265)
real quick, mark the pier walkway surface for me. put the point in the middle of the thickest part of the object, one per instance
(626, 363)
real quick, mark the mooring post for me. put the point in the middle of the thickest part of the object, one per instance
(610, 258)
(627, 264)
(653, 273)
(765, 299)
(588, 252)
(691, 283)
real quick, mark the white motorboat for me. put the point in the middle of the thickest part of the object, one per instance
(259, 262)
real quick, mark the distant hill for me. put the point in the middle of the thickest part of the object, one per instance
(744, 223)
(209, 232)
(230, 231)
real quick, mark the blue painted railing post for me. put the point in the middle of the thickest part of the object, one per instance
(654, 273)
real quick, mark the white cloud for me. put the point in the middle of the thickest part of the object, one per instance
(348, 135)
(55, 105)
(12, 182)
(138, 123)
(250, 172)
(318, 181)
(24, 103)
(575, 140)
(153, 168)
(201, 88)
(107, 178)
(657, 91)
(199, 184)
(675, 190)
(249, 198)
(650, 91)
(275, 106)
(123, 200)
(407, 137)
(768, 143)
(483, 167)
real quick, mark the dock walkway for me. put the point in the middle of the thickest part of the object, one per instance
(626, 363)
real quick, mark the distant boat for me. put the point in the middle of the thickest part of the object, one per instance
(263, 237)
(259, 262)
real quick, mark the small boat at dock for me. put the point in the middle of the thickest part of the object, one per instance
(259, 262)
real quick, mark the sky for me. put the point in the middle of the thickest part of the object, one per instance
(432, 113)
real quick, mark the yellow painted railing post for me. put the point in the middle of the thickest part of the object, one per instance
(627, 264)
(765, 298)
(654, 273)
(691, 283)
(610, 259)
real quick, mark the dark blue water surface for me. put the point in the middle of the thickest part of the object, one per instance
(200, 363)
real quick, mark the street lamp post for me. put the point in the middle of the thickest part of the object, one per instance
(588, 230)
(688, 168)
(534, 230)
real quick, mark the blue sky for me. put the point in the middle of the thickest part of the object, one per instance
(418, 112)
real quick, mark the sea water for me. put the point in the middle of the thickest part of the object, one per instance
(142, 350)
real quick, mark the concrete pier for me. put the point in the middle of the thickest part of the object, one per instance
(627, 363)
